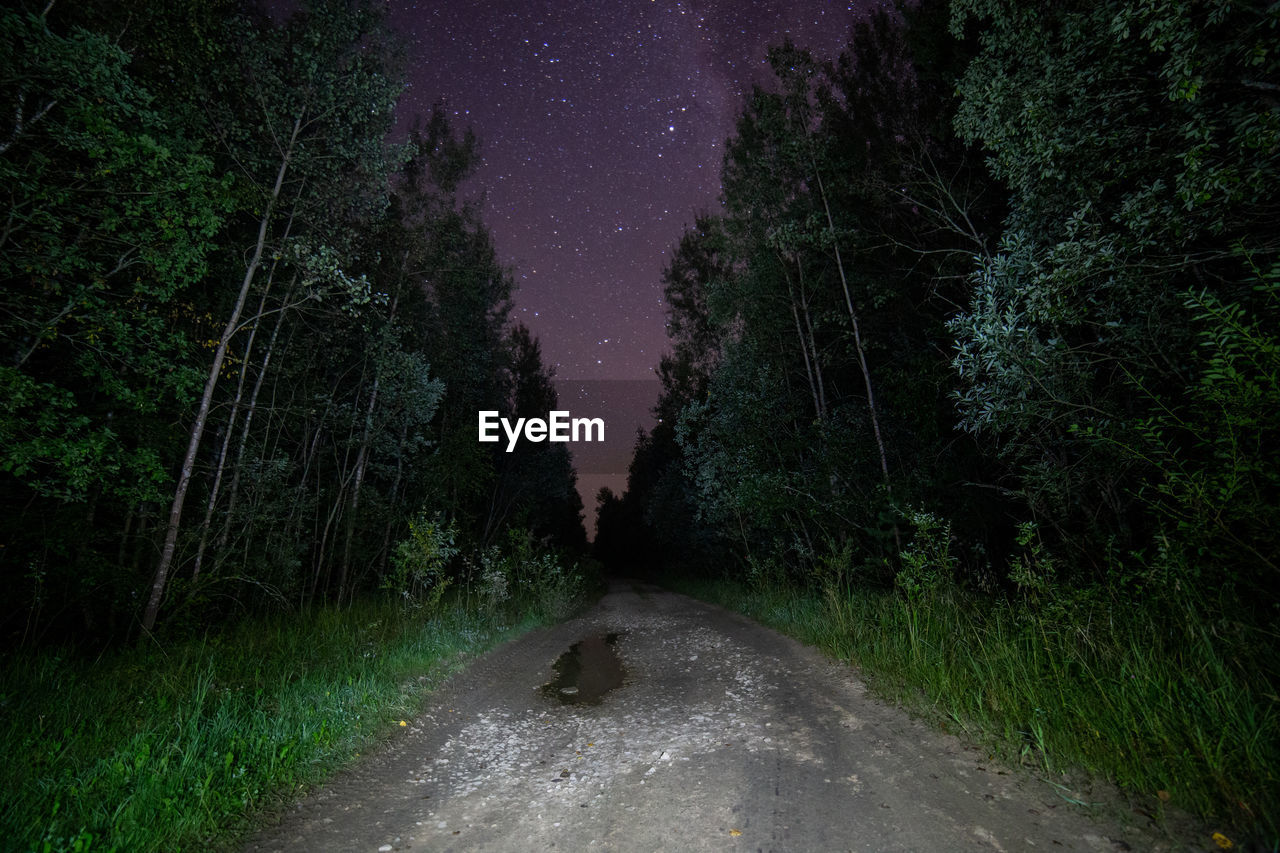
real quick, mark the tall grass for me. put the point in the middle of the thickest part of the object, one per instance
(177, 748)
(1164, 714)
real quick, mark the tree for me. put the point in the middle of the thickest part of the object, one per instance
(327, 104)
(659, 502)
(535, 486)
(221, 283)
(110, 221)
(1139, 145)
(113, 217)
(852, 215)
(466, 296)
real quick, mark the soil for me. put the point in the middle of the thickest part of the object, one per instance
(704, 731)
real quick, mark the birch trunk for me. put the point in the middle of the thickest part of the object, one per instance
(804, 351)
(221, 466)
(362, 457)
(857, 340)
(233, 491)
(161, 577)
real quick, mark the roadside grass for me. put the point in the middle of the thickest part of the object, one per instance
(1162, 713)
(177, 748)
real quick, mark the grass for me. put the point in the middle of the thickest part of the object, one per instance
(1169, 718)
(179, 748)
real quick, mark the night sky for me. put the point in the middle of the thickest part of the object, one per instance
(602, 126)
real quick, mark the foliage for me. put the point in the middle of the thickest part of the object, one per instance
(806, 396)
(1217, 450)
(182, 748)
(1141, 147)
(207, 196)
(1116, 690)
(926, 564)
(419, 567)
(112, 215)
(536, 487)
(657, 520)
(519, 572)
(1013, 267)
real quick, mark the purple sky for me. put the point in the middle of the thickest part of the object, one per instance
(602, 128)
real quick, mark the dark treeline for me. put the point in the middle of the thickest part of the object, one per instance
(1002, 285)
(245, 336)
(993, 305)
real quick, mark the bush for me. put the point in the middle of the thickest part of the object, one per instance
(420, 563)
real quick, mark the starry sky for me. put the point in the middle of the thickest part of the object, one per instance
(602, 126)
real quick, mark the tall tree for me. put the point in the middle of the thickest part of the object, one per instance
(535, 487)
(113, 214)
(1140, 146)
(658, 506)
(852, 217)
(326, 101)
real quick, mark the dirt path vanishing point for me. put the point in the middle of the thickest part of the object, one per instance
(722, 736)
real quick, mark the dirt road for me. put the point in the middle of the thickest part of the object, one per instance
(723, 735)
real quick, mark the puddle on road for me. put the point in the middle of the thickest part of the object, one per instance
(590, 669)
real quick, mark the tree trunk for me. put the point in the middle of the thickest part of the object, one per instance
(335, 517)
(857, 335)
(206, 399)
(394, 493)
(234, 490)
(857, 340)
(813, 344)
(804, 351)
(362, 457)
(216, 489)
(296, 517)
(322, 555)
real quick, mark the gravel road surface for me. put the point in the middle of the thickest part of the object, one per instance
(723, 735)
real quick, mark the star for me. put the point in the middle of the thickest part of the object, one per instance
(576, 105)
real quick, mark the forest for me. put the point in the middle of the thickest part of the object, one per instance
(974, 381)
(245, 336)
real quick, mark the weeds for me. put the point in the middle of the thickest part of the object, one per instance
(1169, 717)
(179, 748)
